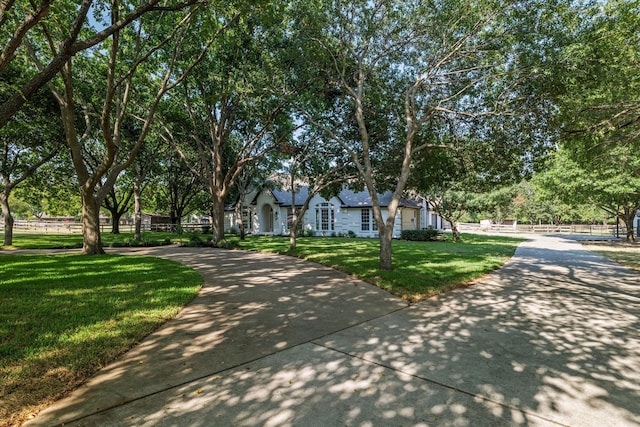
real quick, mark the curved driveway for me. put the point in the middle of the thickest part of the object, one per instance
(550, 339)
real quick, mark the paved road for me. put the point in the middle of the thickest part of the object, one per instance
(551, 339)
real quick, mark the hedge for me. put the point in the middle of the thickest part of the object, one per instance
(423, 235)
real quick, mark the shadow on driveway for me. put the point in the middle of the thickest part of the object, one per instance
(550, 339)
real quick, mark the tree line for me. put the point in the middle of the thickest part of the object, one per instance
(188, 104)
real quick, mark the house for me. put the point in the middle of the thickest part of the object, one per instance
(269, 212)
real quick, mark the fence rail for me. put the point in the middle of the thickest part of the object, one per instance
(61, 227)
(594, 230)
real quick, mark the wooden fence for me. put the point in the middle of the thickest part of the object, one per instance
(61, 227)
(585, 229)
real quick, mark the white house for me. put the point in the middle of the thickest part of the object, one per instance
(269, 212)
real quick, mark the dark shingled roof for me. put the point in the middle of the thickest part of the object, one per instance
(283, 198)
(348, 198)
(361, 199)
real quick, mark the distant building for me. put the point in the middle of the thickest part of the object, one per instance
(156, 222)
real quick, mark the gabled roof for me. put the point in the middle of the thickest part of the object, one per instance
(283, 197)
(348, 198)
(361, 199)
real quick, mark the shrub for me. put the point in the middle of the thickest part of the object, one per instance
(194, 241)
(423, 235)
(133, 243)
(352, 234)
(119, 244)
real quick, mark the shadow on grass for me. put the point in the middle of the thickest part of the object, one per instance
(550, 339)
(420, 269)
(64, 317)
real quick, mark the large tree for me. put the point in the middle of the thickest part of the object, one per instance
(450, 183)
(323, 168)
(140, 64)
(23, 22)
(475, 159)
(600, 106)
(612, 184)
(599, 109)
(119, 200)
(29, 140)
(145, 170)
(402, 68)
(179, 191)
(236, 101)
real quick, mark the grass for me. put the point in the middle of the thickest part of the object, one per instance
(420, 269)
(624, 253)
(63, 317)
(65, 241)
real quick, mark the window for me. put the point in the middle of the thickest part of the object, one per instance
(246, 218)
(366, 220)
(325, 217)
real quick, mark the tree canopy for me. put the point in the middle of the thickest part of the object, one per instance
(452, 99)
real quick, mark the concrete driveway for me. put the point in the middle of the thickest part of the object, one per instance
(551, 339)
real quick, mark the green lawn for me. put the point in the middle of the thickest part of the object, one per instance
(420, 269)
(54, 241)
(63, 317)
(624, 253)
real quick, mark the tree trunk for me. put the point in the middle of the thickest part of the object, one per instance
(294, 226)
(137, 210)
(217, 221)
(292, 237)
(115, 224)
(628, 218)
(8, 220)
(173, 216)
(239, 219)
(454, 231)
(294, 217)
(386, 237)
(91, 242)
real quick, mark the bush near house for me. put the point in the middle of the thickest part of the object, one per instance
(424, 235)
